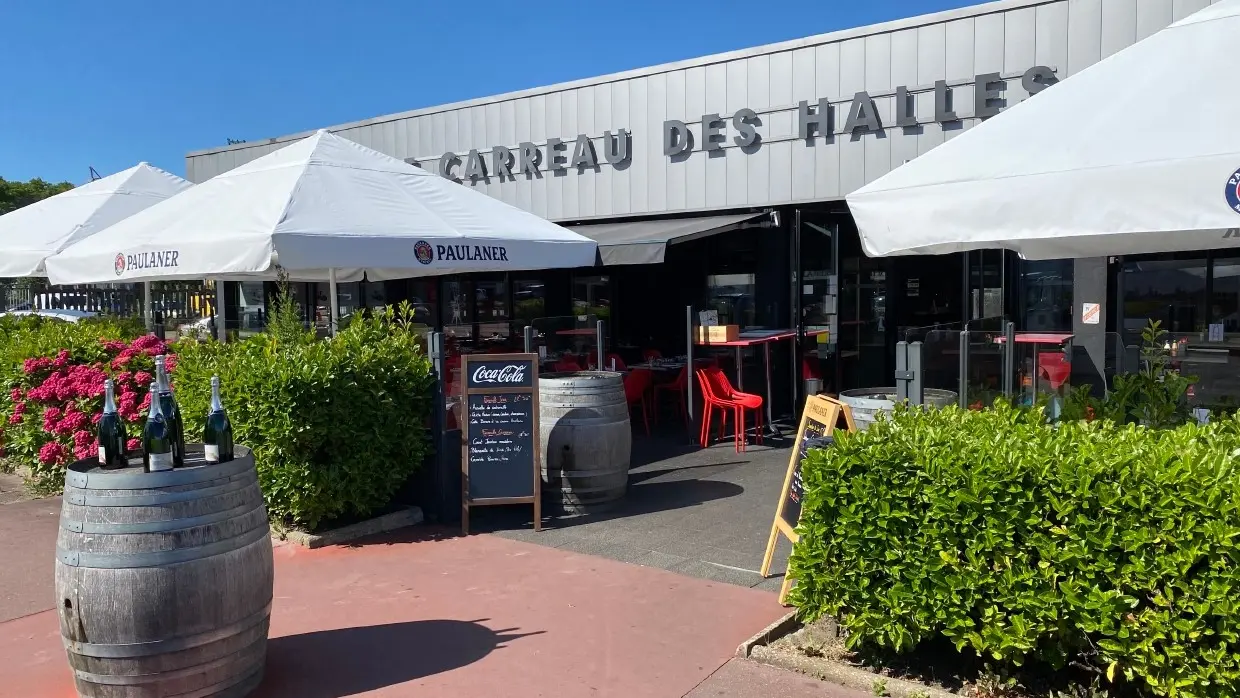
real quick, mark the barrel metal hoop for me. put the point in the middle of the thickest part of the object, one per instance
(236, 482)
(105, 480)
(116, 561)
(149, 649)
(172, 526)
(240, 656)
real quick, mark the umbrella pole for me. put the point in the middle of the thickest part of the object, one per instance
(331, 298)
(146, 306)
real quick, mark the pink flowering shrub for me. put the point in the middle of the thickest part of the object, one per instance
(50, 403)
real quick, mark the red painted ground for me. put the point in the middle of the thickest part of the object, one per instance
(26, 579)
(478, 616)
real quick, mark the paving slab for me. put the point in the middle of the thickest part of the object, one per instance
(424, 613)
(741, 678)
(27, 556)
(705, 513)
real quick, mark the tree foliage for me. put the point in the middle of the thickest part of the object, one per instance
(14, 194)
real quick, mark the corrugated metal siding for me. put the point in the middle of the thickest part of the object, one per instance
(1068, 35)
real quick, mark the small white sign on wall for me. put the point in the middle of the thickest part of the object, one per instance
(1216, 332)
(1091, 313)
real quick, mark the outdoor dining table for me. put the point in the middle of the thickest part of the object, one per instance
(1051, 338)
(763, 338)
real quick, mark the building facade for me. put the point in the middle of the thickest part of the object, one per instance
(894, 91)
(762, 145)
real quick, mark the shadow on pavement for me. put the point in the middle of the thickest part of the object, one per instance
(349, 661)
(643, 497)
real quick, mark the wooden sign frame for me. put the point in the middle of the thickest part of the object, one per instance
(536, 470)
(825, 411)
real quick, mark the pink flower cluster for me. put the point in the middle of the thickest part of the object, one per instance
(70, 382)
(148, 345)
(68, 394)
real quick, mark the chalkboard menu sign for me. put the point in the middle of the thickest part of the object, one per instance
(818, 421)
(795, 493)
(499, 449)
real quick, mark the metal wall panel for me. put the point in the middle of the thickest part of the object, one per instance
(1006, 37)
(781, 130)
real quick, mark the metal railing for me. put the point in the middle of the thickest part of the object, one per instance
(173, 300)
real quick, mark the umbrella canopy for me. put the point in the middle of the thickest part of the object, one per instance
(1138, 153)
(33, 233)
(316, 206)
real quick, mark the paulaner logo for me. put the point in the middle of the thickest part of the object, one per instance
(423, 253)
(146, 260)
(1232, 192)
(472, 253)
(512, 373)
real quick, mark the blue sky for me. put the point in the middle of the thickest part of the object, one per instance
(108, 84)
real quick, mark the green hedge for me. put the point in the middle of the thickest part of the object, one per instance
(337, 426)
(1111, 546)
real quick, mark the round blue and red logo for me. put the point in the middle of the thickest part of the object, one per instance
(118, 265)
(1233, 191)
(424, 252)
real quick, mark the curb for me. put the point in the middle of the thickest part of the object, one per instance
(756, 649)
(409, 516)
(774, 631)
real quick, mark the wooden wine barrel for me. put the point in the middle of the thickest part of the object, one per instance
(164, 580)
(586, 440)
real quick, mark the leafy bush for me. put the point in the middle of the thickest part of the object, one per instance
(1106, 545)
(337, 426)
(1155, 396)
(51, 375)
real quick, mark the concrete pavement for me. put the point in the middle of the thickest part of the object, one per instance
(740, 678)
(27, 556)
(425, 613)
(705, 513)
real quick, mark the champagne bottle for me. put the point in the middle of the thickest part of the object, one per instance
(171, 411)
(112, 436)
(157, 437)
(217, 434)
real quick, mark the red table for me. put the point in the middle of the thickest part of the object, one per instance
(1057, 373)
(754, 338)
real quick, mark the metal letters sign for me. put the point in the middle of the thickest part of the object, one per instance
(860, 115)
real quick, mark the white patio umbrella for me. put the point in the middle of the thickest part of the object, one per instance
(1138, 153)
(33, 233)
(324, 207)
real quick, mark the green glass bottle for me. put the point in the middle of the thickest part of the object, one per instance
(217, 433)
(171, 411)
(157, 437)
(112, 436)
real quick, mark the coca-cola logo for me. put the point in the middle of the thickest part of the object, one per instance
(512, 373)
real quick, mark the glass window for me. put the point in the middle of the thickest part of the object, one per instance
(529, 301)
(348, 299)
(733, 296)
(1171, 291)
(376, 296)
(1047, 295)
(491, 308)
(250, 309)
(592, 296)
(424, 297)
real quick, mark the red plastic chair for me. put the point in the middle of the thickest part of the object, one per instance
(677, 388)
(566, 366)
(636, 385)
(809, 369)
(1056, 369)
(742, 402)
